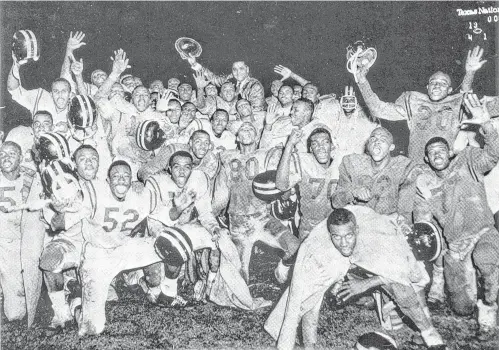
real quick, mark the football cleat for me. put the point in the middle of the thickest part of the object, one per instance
(176, 302)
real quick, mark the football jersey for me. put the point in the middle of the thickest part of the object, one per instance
(39, 100)
(166, 190)
(237, 174)
(10, 196)
(226, 141)
(316, 186)
(119, 217)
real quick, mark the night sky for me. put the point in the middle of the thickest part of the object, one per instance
(413, 40)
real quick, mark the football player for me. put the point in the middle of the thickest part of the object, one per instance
(454, 194)
(249, 217)
(317, 176)
(21, 236)
(436, 113)
(350, 239)
(376, 179)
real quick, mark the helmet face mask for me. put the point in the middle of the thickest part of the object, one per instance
(348, 100)
(61, 185)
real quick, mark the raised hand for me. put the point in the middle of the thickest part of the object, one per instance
(75, 41)
(120, 62)
(477, 109)
(474, 60)
(284, 71)
(77, 67)
(271, 115)
(201, 82)
(163, 99)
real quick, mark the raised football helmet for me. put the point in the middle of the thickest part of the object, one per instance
(82, 116)
(25, 47)
(149, 135)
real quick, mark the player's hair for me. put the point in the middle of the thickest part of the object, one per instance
(81, 148)
(185, 84)
(13, 144)
(210, 83)
(201, 131)
(315, 132)
(140, 86)
(179, 154)
(312, 85)
(44, 113)
(308, 104)
(436, 139)
(384, 130)
(220, 110)
(286, 85)
(117, 163)
(341, 216)
(62, 80)
(376, 340)
(188, 103)
(243, 100)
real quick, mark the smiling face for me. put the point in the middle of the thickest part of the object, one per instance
(156, 86)
(120, 180)
(300, 113)
(187, 115)
(10, 158)
(228, 92)
(87, 163)
(116, 90)
(211, 90)
(98, 77)
(173, 83)
(311, 92)
(243, 107)
(240, 71)
(380, 144)
(185, 92)
(200, 144)
(344, 237)
(181, 170)
(247, 133)
(439, 86)
(42, 123)
(438, 155)
(174, 111)
(285, 95)
(320, 146)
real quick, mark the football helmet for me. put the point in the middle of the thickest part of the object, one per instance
(425, 241)
(25, 46)
(348, 100)
(264, 186)
(149, 135)
(82, 116)
(59, 180)
(53, 146)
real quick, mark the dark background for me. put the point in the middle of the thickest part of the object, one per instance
(413, 39)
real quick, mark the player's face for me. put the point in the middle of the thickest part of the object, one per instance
(243, 107)
(379, 145)
(297, 90)
(60, 94)
(310, 92)
(10, 158)
(141, 98)
(185, 92)
(42, 123)
(200, 145)
(173, 83)
(285, 95)
(120, 180)
(181, 170)
(321, 147)
(240, 71)
(274, 88)
(156, 86)
(246, 134)
(116, 90)
(98, 77)
(129, 83)
(228, 92)
(211, 90)
(439, 87)
(87, 163)
(174, 110)
(298, 113)
(219, 122)
(438, 156)
(344, 237)
(187, 115)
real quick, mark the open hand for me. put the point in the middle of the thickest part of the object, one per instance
(477, 109)
(284, 71)
(75, 41)
(474, 60)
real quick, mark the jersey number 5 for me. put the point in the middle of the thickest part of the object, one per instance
(4, 199)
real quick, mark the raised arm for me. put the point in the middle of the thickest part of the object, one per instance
(77, 69)
(14, 79)
(282, 178)
(120, 64)
(378, 109)
(287, 73)
(74, 42)
(473, 64)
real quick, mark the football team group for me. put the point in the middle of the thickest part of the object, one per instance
(116, 183)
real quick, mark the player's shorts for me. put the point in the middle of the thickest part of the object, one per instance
(11, 280)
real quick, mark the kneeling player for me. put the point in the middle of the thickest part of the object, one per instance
(351, 237)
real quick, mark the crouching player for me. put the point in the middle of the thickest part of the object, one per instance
(109, 249)
(351, 237)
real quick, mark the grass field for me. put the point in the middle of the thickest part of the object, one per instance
(133, 323)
